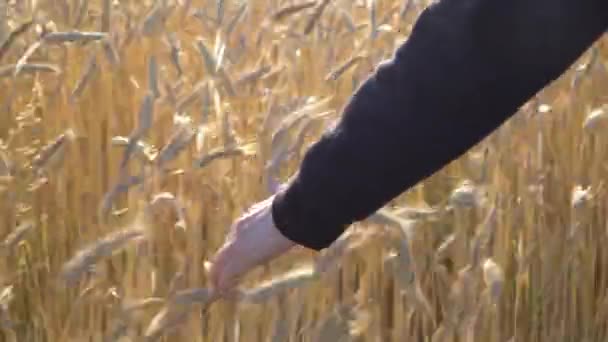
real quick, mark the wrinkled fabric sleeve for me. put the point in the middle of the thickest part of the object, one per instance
(467, 67)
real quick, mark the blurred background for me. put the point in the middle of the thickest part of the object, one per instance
(132, 134)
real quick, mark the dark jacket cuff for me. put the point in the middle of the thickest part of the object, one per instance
(303, 224)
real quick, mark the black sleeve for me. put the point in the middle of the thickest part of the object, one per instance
(466, 68)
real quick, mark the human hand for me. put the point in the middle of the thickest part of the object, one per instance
(252, 241)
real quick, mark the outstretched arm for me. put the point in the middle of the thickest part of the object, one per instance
(466, 68)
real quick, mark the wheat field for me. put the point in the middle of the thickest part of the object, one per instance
(132, 133)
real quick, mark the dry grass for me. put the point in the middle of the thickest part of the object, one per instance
(132, 133)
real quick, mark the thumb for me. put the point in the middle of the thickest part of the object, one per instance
(211, 271)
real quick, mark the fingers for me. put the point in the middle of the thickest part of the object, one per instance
(212, 272)
(227, 283)
(218, 279)
(221, 270)
(216, 267)
(249, 243)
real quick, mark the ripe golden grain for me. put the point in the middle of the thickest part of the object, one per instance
(72, 36)
(12, 36)
(464, 196)
(28, 53)
(580, 196)
(298, 277)
(52, 154)
(247, 82)
(146, 113)
(288, 10)
(177, 310)
(17, 235)
(219, 153)
(184, 133)
(494, 278)
(87, 75)
(314, 18)
(91, 254)
(597, 118)
(29, 68)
